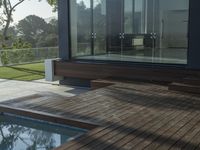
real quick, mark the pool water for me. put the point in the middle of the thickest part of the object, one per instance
(18, 133)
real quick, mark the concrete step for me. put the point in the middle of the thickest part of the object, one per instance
(191, 81)
(189, 88)
(96, 84)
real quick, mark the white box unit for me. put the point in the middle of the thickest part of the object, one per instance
(49, 71)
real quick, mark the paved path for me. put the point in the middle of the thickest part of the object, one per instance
(10, 89)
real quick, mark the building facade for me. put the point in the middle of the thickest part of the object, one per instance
(148, 34)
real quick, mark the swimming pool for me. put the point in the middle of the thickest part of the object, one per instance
(21, 133)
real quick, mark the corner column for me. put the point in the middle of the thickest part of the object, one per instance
(63, 25)
(194, 35)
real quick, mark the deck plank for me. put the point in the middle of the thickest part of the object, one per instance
(131, 115)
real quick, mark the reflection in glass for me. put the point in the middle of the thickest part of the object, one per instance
(172, 38)
(128, 16)
(23, 134)
(80, 21)
(153, 31)
(137, 41)
(99, 26)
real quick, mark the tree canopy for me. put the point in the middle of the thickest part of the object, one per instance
(7, 12)
(37, 31)
(53, 3)
(31, 27)
(7, 7)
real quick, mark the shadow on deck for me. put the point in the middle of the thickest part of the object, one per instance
(130, 115)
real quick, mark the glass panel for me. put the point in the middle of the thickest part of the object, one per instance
(152, 31)
(128, 16)
(172, 31)
(134, 16)
(99, 26)
(138, 27)
(139, 16)
(80, 20)
(114, 26)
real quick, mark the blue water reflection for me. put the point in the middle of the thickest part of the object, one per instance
(24, 134)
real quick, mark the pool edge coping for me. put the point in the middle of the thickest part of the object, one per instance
(48, 117)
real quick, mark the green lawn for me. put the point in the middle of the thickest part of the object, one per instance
(26, 72)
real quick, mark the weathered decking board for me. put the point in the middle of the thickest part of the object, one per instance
(130, 115)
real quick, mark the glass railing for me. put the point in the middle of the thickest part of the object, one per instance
(20, 56)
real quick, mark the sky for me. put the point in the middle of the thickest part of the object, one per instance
(32, 7)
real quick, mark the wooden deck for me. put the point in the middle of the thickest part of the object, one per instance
(129, 115)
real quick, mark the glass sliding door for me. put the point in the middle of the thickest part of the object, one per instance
(114, 26)
(80, 23)
(138, 26)
(150, 31)
(99, 27)
(172, 31)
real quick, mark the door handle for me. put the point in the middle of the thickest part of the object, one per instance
(92, 35)
(95, 35)
(121, 35)
(153, 35)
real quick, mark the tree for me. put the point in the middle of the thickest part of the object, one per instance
(32, 28)
(53, 3)
(6, 16)
(49, 39)
(8, 7)
(20, 44)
